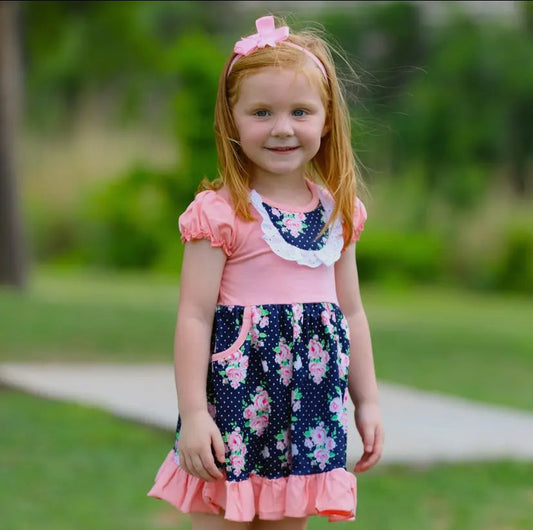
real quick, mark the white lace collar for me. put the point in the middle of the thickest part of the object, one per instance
(327, 255)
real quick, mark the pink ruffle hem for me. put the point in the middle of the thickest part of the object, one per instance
(331, 494)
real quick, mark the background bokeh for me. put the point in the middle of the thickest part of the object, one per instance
(115, 133)
(118, 130)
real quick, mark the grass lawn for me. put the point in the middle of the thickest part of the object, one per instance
(474, 345)
(66, 466)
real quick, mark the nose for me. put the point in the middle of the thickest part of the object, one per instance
(282, 126)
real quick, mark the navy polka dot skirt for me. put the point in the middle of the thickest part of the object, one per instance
(267, 358)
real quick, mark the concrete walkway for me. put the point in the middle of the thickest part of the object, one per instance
(421, 427)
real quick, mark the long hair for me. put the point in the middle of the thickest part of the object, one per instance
(334, 166)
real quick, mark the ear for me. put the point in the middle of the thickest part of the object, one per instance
(326, 129)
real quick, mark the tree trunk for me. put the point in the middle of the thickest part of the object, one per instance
(13, 266)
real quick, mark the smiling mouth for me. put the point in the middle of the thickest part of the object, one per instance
(282, 149)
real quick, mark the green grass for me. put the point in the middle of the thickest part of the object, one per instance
(66, 466)
(478, 346)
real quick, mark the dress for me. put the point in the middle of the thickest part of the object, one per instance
(277, 384)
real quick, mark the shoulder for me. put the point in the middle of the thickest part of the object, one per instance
(209, 216)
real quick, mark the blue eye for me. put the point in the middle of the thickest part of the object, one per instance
(299, 113)
(261, 113)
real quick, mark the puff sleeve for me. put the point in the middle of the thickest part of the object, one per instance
(359, 220)
(209, 216)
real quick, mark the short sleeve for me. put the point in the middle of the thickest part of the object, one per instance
(209, 216)
(359, 220)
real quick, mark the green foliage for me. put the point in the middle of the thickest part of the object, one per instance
(132, 222)
(445, 107)
(395, 257)
(197, 62)
(514, 270)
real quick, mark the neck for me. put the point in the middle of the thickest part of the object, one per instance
(284, 190)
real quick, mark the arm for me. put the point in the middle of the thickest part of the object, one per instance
(200, 281)
(362, 384)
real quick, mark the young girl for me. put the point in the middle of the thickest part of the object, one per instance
(271, 335)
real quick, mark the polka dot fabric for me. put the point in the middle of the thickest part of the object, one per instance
(300, 229)
(259, 390)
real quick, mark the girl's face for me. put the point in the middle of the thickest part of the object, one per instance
(280, 120)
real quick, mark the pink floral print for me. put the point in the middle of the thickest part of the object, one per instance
(338, 406)
(292, 222)
(297, 319)
(257, 413)
(328, 316)
(236, 448)
(321, 445)
(260, 320)
(283, 445)
(235, 369)
(318, 360)
(283, 358)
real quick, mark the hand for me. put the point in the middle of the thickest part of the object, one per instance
(370, 426)
(198, 434)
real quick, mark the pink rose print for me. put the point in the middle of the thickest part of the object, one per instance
(258, 424)
(330, 444)
(296, 396)
(285, 373)
(318, 371)
(256, 315)
(236, 375)
(344, 421)
(296, 331)
(318, 435)
(336, 405)
(262, 401)
(283, 352)
(237, 448)
(327, 316)
(236, 369)
(298, 363)
(283, 445)
(322, 457)
(276, 212)
(259, 319)
(284, 359)
(235, 441)
(296, 316)
(343, 361)
(237, 463)
(318, 359)
(257, 413)
(293, 225)
(315, 348)
(320, 444)
(297, 312)
(344, 326)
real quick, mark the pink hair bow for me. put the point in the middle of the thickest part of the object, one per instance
(267, 35)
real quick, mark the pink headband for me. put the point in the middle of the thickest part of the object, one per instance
(268, 35)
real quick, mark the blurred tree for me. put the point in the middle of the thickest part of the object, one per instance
(12, 245)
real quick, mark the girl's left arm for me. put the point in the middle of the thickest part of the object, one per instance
(362, 384)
